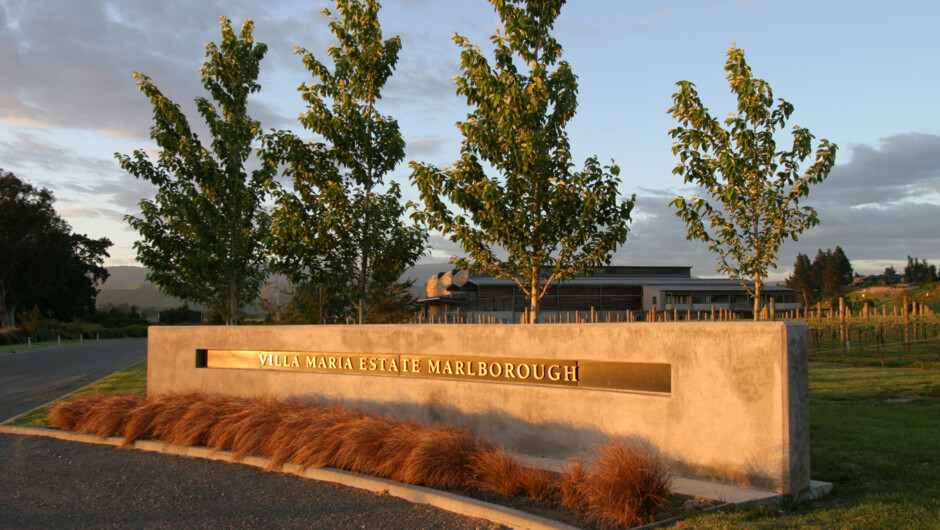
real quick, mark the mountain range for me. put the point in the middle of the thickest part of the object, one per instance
(129, 285)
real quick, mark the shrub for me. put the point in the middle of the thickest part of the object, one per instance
(497, 471)
(626, 484)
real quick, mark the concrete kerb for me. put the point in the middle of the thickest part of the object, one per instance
(730, 494)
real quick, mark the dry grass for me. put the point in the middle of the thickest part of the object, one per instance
(537, 484)
(362, 441)
(573, 477)
(109, 414)
(621, 485)
(69, 414)
(442, 457)
(396, 448)
(625, 485)
(498, 471)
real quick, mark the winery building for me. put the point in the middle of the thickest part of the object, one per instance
(611, 290)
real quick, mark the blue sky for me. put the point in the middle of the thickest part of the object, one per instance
(861, 74)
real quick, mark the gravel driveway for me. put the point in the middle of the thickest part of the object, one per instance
(49, 483)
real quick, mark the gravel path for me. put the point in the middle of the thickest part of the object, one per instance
(48, 483)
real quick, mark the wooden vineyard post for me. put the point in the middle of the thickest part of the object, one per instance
(842, 337)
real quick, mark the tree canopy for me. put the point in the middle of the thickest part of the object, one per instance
(754, 187)
(203, 235)
(918, 271)
(43, 264)
(338, 229)
(536, 221)
(823, 279)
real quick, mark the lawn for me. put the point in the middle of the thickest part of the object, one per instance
(875, 434)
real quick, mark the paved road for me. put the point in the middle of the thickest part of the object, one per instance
(32, 378)
(47, 483)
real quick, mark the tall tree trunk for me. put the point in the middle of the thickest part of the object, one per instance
(534, 297)
(9, 318)
(757, 286)
(7, 314)
(364, 271)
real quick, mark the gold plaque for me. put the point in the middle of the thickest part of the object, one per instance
(625, 376)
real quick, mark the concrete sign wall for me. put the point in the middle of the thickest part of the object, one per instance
(726, 401)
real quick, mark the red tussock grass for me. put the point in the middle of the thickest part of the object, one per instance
(497, 471)
(537, 484)
(69, 414)
(620, 485)
(109, 414)
(396, 448)
(300, 440)
(624, 486)
(573, 477)
(362, 441)
(442, 457)
(198, 419)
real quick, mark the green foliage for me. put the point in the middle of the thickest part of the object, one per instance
(825, 279)
(42, 263)
(177, 315)
(394, 305)
(755, 187)
(917, 271)
(337, 229)
(538, 222)
(203, 234)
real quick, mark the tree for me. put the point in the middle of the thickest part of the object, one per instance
(890, 270)
(825, 278)
(203, 232)
(917, 271)
(756, 188)
(394, 305)
(337, 227)
(843, 268)
(538, 221)
(44, 265)
(804, 279)
(834, 273)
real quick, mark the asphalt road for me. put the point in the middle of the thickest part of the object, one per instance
(31, 378)
(47, 483)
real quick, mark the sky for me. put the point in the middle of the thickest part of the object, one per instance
(862, 74)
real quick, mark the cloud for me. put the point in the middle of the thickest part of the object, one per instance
(84, 186)
(424, 146)
(29, 150)
(905, 167)
(879, 206)
(74, 68)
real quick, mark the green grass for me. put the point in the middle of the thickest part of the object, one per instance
(133, 380)
(874, 434)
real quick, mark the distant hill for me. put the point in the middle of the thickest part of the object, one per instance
(143, 295)
(129, 285)
(125, 277)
